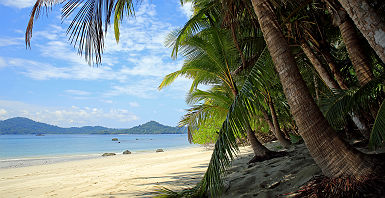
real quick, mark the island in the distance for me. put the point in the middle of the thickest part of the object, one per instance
(20, 125)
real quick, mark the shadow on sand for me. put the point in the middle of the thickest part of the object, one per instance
(174, 181)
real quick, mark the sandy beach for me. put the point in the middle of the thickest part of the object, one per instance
(134, 175)
(139, 174)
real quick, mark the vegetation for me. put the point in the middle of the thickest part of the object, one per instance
(313, 69)
(21, 125)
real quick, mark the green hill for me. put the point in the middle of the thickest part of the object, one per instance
(153, 127)
(20, 125)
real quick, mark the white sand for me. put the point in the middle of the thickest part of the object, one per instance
(270, 178)
(114, 176)
(136, 175)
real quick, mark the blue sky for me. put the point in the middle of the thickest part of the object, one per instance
(50, 83)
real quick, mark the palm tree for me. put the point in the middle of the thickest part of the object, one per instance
(208, 111)
(354, 47)
(325, 76)
(241, 21)
(303, 29)
(332, 155)
(211, 58)
(369, 22)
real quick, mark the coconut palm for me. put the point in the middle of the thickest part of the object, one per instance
(208, 111)
(352, 41)
(211, 58)
(303, 29)
(369, 21)
(331, 153)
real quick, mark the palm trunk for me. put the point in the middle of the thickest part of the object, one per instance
(367, 20)
(268, 120)
(277, 130)
(328, 80)
(357, 119)
(356, 53)
(332, 65)
(316, 89)
(332, 155)
(259, 150)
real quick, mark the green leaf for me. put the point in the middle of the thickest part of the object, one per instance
(377, 136)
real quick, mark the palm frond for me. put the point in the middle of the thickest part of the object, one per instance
(121, 7)
(337, 105)
(377, 136)
(193, 25)
(89, 25)
(39, 7)
(240, 112)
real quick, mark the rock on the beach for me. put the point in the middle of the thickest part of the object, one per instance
(114, 139)
(159, 150)
(108, 154)
(126, 152)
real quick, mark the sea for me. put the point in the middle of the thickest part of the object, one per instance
(30, 146)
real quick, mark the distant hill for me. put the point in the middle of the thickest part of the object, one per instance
(153, 127)
(20, 125)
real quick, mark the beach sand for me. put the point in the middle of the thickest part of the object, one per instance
(138, 174)
(276, 177)
(133, 175)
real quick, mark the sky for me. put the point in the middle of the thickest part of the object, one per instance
(51, 83)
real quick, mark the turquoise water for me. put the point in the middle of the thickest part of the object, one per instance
(20, 146)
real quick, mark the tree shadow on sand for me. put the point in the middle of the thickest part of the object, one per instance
(175, 181)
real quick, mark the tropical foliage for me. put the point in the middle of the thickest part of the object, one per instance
(264, 60)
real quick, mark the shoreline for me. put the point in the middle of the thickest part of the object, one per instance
(113, 176)
(141, 174)
(9, 163)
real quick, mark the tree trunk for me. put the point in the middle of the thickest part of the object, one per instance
(316, 89)
(268, 120)
(332, 65)
(361, 124)
(356, 53)
(258, 149)
(277, 130)
(332, 155)
(370, 24)
(328, 80)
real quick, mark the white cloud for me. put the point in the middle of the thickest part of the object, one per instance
(2, 62)
(146, 88)
(77, 92)
(134, 104)
(10, 41)
(3, 113)
(67, 116)
(141, 36)
(107, 101)
(18, 3)
(187, 9)
(151, 66)
(45, 71)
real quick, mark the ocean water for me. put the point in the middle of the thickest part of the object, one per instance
(25, 146)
